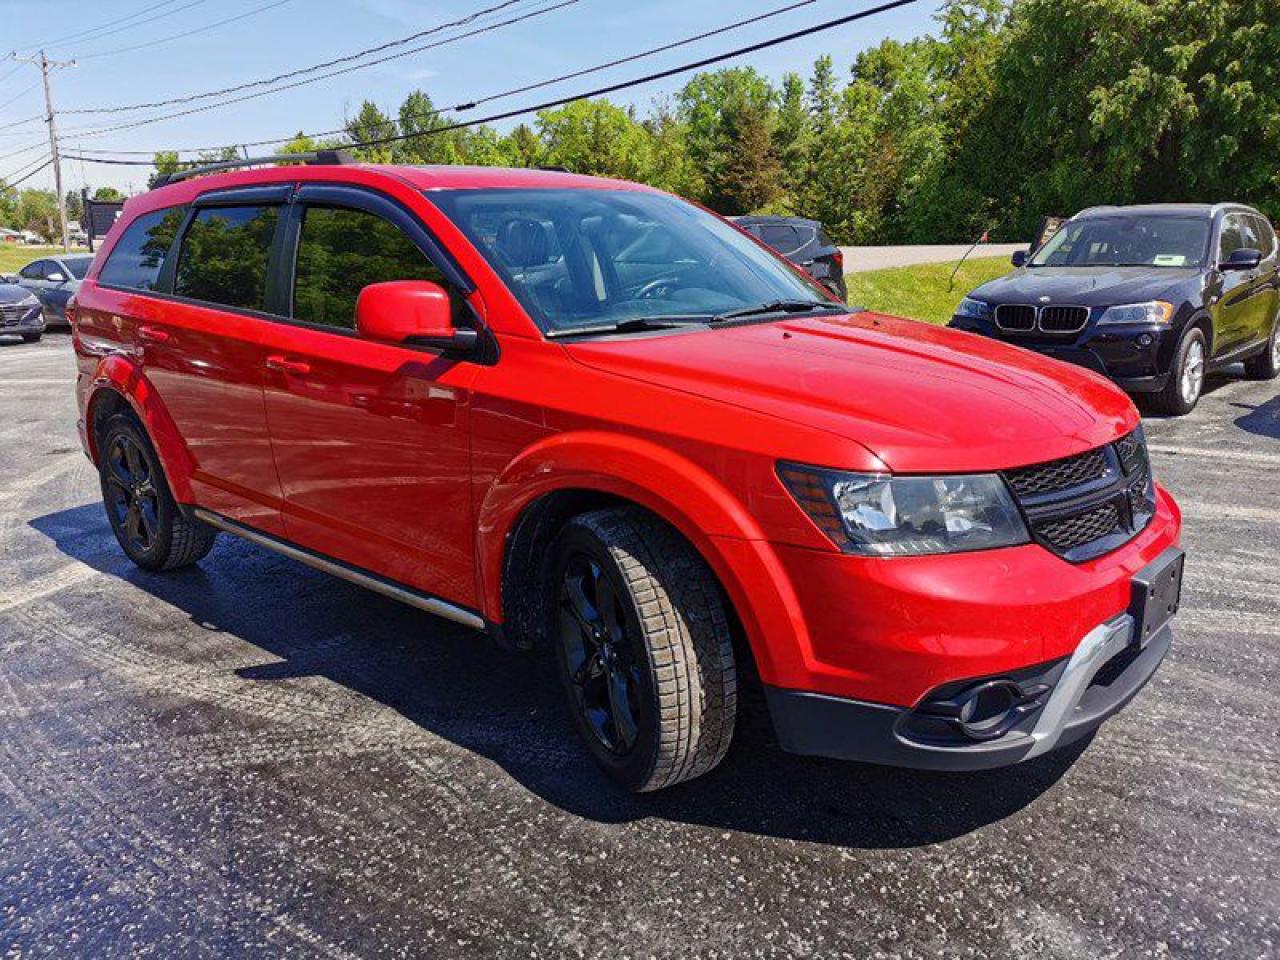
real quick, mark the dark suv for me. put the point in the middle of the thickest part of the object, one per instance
(806, 244)
(1153, 297)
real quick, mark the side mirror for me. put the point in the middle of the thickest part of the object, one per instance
(414, 312)
(1019, 258)
(55, 278)
(1245, 258)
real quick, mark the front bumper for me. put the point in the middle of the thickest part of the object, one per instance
(1104, 673)
(1137, 356)
(31, 322)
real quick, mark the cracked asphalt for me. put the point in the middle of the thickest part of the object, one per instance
(251, 759)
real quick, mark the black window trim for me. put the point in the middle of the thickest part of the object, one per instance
(371, 201)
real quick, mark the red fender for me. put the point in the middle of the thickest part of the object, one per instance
(679, 491)
(121, 375)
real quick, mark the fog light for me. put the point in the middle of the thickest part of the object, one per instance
(1144, 340)
(988, 710)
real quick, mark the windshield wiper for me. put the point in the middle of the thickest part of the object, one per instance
(632, 325)
(775, 306)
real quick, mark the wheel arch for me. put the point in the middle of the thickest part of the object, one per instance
(120, 386)
(572, 474)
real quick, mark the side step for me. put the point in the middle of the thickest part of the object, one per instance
(369, 581)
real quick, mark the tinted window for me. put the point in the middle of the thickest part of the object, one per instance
(340, 252)
(1236, 235)
(224, 256)
(1266, 236)
(138, 256)
(588, 258)
(79, 266)
(783, 239)
(33, 271)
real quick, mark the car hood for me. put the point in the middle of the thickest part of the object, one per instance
(1085, 286)
(12, 293)
(920, 398)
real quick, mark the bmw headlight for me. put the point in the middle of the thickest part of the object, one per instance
(885, 516)
(974, 309)
(1153, 311)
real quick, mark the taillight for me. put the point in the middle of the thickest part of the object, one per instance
(839, 258)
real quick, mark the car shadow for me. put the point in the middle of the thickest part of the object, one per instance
(1262, 420)
(453, 683)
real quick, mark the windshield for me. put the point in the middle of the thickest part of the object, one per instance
(588, 259)
(79, 266)
(1127, 242)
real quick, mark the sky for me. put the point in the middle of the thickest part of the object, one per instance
(276, 36)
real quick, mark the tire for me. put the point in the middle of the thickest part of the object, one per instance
(1266, 365)
(32, 337)
(1179, 397)
(664, 653)
(146, 520)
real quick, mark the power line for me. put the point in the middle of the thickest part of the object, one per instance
(46, 66)
(109, 23)
(178, 36)
(27, 149)
(467, 105)
(271, 81)
(598, 91)
(10, 184)
(102, 131)
(132, 26)
(18, 123)
(19, 95)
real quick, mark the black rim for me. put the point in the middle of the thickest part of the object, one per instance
(131, 493)
(600, 654)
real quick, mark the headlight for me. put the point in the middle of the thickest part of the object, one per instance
(30, 301)
(1154, 311)
(882, 515)
(974, 309)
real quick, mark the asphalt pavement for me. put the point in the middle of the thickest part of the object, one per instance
(249, 758)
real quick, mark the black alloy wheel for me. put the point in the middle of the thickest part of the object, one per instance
(601, 655)
(133, 503)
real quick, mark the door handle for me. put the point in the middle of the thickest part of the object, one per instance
(285, 365)
(153, 334)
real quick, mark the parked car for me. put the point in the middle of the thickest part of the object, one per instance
(1154, 297)
(806, 244)
(587, 414)
(55, 280)
(20, 313)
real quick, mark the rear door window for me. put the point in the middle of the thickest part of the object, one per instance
(782, 238)
(138, 257)
(225, 254)
(1236, 235)
(342, 251)
(33, 271)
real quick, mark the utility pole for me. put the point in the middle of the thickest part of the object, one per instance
(45, 64)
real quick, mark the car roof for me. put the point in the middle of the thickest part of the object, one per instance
(1205, 210)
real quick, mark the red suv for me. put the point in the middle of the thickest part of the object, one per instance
(587, 414)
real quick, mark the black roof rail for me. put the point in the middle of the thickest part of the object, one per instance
(318, 158)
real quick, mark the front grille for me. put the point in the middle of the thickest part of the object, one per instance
(1082, 506)
(1016, 317)
(12, 313)
(1078, 529)
(1058, 474)
(1027, 318)
(1063, 319)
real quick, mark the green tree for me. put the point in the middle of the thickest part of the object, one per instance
(108, 195)
(595, 137)
(371, 124)
(714, 108)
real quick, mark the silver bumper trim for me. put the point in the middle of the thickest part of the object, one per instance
(1098, 646)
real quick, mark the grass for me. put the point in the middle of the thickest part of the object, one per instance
(13, 256)
(920, 292)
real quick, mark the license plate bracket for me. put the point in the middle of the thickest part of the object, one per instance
(1156, 595)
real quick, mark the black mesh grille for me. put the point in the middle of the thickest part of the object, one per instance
(11, 313)
(1016, 316)
(1132, 453)
(1063, 319)
(1067, 533)
(1058, 474)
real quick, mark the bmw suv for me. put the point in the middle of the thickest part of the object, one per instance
(1153, 297)
(586, 415)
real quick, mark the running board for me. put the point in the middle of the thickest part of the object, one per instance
(369, 581)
